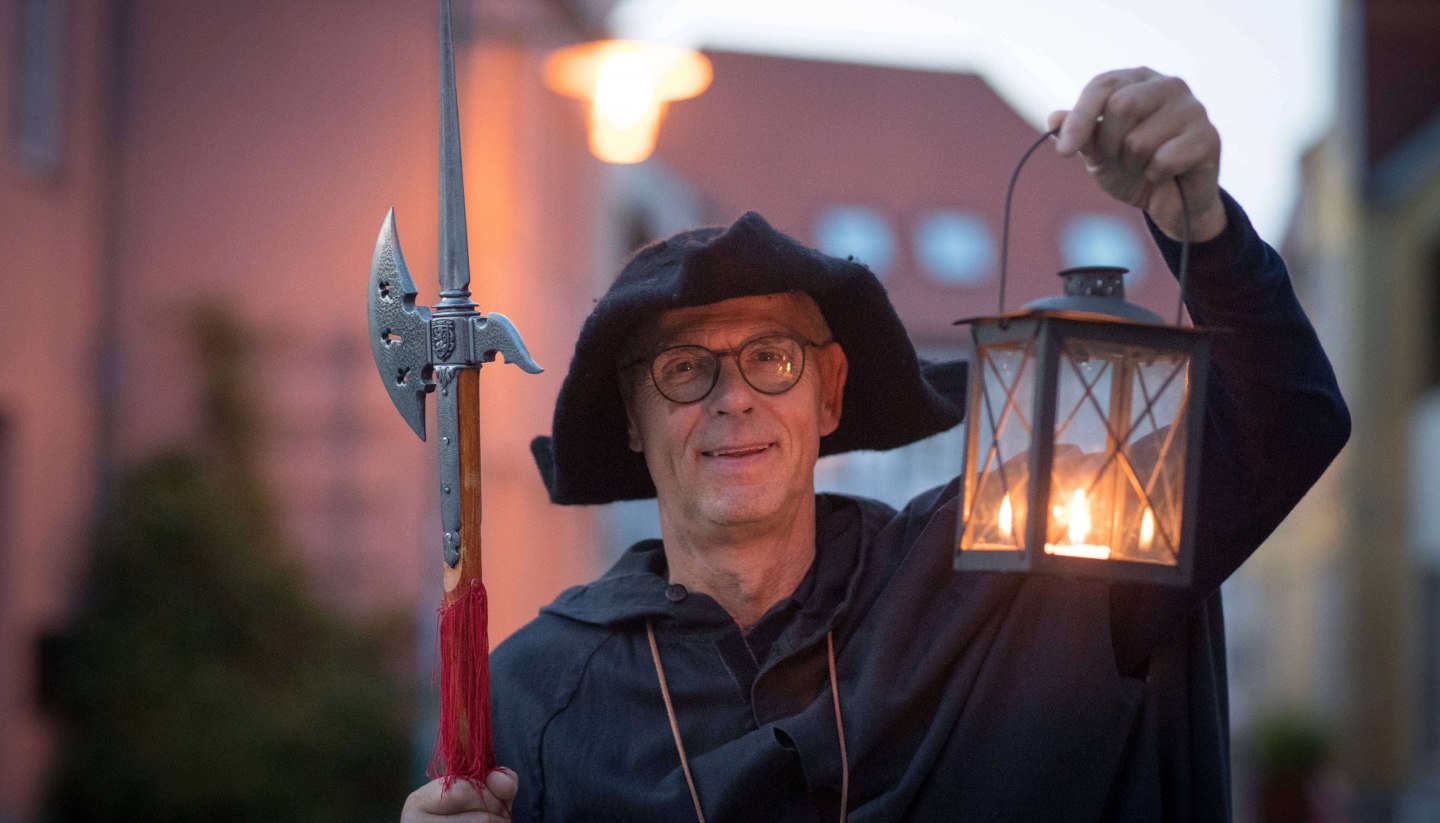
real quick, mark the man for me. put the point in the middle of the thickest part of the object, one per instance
(780, 655)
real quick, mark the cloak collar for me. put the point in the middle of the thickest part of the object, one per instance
(637, 586)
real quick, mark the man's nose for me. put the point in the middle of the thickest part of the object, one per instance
(732, 394)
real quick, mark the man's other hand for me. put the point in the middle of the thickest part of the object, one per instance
(464, 802)
(1137, 130)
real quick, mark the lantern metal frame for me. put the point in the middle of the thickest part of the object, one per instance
(1047, 331)
(1092, 309)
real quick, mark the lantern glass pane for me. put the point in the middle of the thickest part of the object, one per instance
(1000, 435)
(1117, 477)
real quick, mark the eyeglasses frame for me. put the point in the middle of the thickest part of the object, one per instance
(649, 362)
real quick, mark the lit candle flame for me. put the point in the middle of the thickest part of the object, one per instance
(1147, 529)
(1079, 517)
(1007, 518)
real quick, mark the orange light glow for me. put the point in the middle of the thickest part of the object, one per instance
(627, 84)
(1007, 518)
(1147, 529)
(1077, 515)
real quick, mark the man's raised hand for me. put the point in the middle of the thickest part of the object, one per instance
(1137, 130)
(464, 802)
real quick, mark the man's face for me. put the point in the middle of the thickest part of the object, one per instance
(736, 457)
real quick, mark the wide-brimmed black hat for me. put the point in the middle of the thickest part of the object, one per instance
(890, 400)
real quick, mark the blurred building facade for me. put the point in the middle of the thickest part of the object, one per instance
(1359, 568)
(163, 153)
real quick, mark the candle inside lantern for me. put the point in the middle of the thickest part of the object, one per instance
(1006, 523)
(1077, 529)
(1147, 529)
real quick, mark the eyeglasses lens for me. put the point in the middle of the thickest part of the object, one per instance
(771, 365)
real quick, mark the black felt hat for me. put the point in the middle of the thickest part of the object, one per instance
(890, 400)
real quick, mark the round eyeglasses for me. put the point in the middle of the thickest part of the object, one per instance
(771, 364)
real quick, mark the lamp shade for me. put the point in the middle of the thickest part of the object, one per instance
(627, 85)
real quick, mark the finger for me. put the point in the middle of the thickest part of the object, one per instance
(1127, 110)
(503, 784)
(500, 788)
(1191, 161)
(1056, 119)
(462, 796)
(1079, 127)
(1173, 118)
(1185, 154)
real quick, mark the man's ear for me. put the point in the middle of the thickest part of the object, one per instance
(834, 368)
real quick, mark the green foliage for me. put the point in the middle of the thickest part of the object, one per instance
(202, 680)
(1289, 743)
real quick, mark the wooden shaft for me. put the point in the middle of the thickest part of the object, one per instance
(467, 388)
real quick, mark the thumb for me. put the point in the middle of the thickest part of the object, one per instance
(1056, 119)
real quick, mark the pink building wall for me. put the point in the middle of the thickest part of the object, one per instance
(50, 244)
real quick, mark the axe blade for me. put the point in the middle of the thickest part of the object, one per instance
(399, 329)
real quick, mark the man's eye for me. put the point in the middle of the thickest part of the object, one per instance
(767, 352)
(679, 365)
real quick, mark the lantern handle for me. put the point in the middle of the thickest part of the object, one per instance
(1005, 230)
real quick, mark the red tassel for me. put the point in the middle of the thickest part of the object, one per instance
(465, 747)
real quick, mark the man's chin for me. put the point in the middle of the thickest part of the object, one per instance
(735, 509)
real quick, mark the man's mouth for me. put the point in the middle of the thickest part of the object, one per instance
(737, 451)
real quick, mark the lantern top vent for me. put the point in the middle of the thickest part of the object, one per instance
(1095, 281)
(1098, 290)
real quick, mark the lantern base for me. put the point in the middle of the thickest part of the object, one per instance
(1041, 562)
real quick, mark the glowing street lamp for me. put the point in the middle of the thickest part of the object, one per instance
(628, 84)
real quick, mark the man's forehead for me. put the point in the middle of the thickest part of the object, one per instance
(793, 311)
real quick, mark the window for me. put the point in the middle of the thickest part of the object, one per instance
(39, 84)
(1103, 240)
(859, 232)
(897, 475)
(955, 248)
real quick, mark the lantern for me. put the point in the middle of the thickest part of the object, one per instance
(1084, 423)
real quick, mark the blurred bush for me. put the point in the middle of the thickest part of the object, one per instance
(1289, 751)
(202, 679)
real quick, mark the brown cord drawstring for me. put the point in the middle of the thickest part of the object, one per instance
(674, 725)
(680, 746)
(839, 726)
